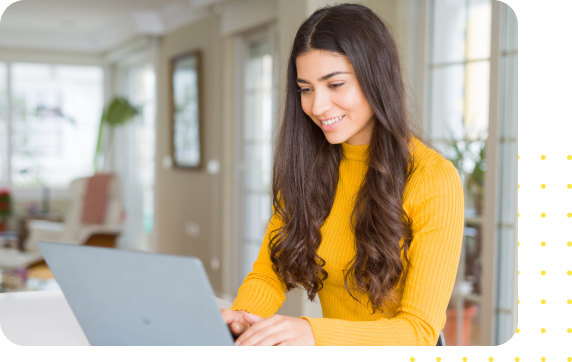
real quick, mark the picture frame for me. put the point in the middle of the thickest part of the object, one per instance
(186, 110)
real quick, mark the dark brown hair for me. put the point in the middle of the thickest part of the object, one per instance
(305, 171)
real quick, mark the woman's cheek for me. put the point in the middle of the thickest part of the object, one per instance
(307, 105)
(345, 99)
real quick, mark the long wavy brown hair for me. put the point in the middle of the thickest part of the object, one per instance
(305, 171)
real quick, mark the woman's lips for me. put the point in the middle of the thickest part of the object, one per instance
(333, 126)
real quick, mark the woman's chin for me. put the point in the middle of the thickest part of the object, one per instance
(335, 139)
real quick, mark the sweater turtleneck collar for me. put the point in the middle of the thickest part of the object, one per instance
(355, 153)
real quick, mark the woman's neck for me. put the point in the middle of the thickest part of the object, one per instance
(355, 152)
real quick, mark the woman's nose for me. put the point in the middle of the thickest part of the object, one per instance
(321, 104)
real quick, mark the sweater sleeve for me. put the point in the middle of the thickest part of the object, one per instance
(437, 214)
(262, 292)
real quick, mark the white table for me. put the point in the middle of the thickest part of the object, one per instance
(43, 319)
(43, 322)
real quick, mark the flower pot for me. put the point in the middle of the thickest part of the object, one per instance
(450, 329)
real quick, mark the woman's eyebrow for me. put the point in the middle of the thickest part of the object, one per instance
(327, 76)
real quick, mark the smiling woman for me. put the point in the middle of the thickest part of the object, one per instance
(366, 215)
(340, 103)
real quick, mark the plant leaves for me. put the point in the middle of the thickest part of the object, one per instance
(118, 112)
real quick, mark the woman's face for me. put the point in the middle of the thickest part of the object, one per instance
(330, 93)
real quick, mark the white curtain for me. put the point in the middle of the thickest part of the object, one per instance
(133, 156)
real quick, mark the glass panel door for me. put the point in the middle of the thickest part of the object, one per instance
(458, 126)
(134, 158)
(258, 92)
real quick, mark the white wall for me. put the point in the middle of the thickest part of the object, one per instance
(184, 196)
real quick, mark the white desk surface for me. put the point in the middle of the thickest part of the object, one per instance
(43, 319)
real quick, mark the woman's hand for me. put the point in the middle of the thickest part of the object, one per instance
(235, 321)
(277, 330)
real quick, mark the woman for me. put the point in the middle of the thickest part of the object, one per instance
(365, 215)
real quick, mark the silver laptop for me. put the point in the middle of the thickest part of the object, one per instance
(134, 298)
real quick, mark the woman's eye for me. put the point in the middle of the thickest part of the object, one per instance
(304, 90)
(336, 85)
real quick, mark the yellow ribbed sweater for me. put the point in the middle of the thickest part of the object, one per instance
(434, 200)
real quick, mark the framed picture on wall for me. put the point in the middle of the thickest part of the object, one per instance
(186, 110)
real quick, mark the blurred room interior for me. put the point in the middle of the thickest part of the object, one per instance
(191, 93)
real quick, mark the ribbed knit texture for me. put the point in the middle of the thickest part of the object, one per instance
(434, 201)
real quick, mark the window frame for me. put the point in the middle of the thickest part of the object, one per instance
(500, 224)
(490, 233)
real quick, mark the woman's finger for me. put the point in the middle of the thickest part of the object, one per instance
(255, 338)
(287, 342)
(284, 345)
(255, 328)
(276, 338)
(251, 318)
(230, 316)
(238, 327)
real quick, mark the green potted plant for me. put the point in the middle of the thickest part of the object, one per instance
(119, 111)
(476, 180)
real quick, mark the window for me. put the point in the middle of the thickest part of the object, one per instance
(462, 88)
(458, 122)
(458, 126)
(255, 144)
(52, 123)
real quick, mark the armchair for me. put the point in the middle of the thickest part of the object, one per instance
(72, 231)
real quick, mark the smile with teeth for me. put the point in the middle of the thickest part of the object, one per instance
(333, 120)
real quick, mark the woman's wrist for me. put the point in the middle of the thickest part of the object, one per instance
(311, 329)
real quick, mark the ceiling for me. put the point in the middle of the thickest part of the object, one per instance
(94, 26)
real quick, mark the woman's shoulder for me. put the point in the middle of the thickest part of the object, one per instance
(425, 156)
(432, 173)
